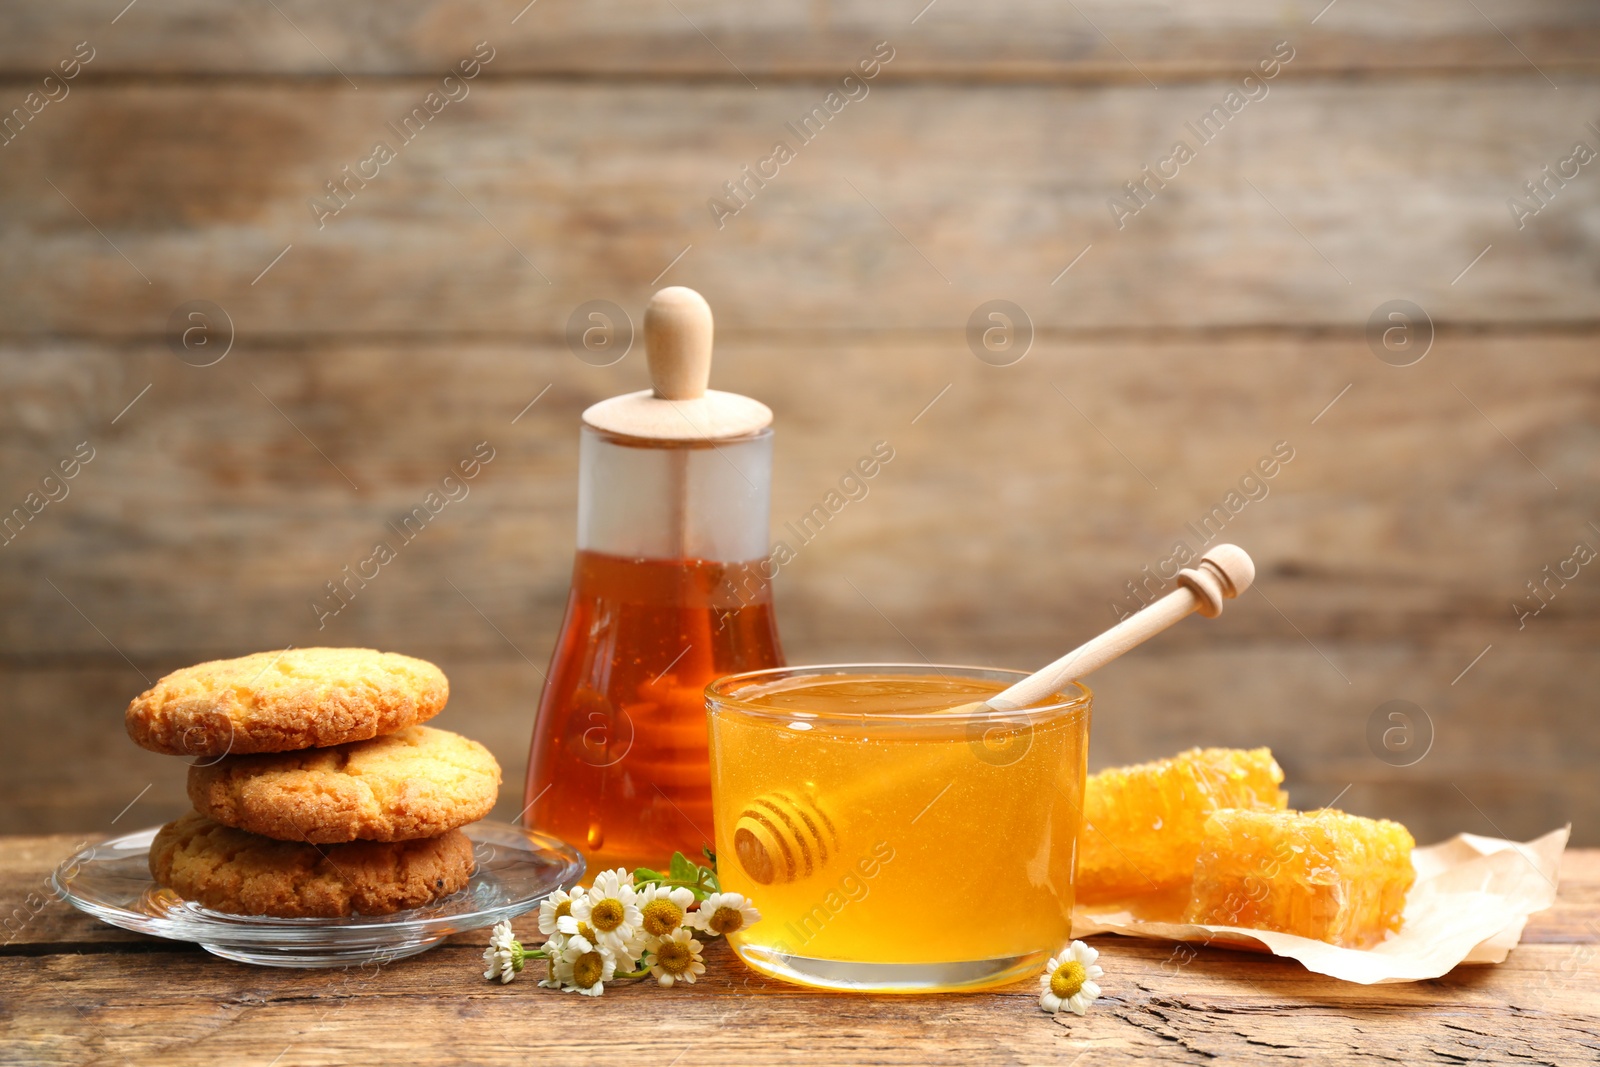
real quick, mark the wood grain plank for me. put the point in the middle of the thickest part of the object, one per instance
(209, 521)
(174, 1004)
(426, 314)
(217, 508)
(914, 205)
(1533, 1008)
(1512, 759)
(26, 864)
(1008, 39)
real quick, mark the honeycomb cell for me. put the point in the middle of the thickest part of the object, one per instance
(1324, 874)
(1143, 823)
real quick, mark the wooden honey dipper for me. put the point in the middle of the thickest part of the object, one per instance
(786, 834)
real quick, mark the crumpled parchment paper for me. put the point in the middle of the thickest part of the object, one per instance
(1472, 897)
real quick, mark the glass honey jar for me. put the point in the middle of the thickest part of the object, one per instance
(668, 594)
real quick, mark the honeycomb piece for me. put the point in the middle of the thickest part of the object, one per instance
(1143, 823)
(1323, 874)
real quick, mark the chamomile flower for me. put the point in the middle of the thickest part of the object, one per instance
(676, 958)
(625, 925)
(584, 967)
(556, 969)
(551, 909)
(504, 955)
(723, 913)
(663, 909)
(1068, 980)
(610, 908)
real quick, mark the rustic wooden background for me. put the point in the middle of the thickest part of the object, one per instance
(1229, 314)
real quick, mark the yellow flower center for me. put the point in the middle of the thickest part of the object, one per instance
(1068, 979)
(588, 969)
(661, 917)
(563, 909)
(607, 915)
(726, 920)
(674, 957)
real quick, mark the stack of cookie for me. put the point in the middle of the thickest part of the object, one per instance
(317, 791)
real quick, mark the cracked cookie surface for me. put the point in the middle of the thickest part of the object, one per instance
(233, 871)
(416, 782)
(284, 701)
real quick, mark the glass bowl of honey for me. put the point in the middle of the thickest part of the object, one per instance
(895, 838)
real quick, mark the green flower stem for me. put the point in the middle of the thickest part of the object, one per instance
(640, 973)
(682, 873)
(700, 892)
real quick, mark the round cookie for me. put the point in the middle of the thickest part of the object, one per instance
(229, 870)
(284, 701)
(416, 782)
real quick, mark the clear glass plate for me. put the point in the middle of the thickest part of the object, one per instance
(516, 869)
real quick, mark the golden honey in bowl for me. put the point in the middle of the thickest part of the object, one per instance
(890, 844)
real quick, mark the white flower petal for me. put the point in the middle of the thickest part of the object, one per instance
(701, 918)
(548, 907)
(1084, 956)
(680, 937)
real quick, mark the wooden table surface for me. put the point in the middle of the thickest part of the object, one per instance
(73, 990)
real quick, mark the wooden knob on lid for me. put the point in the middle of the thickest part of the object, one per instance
(677, 339)
(677, 343)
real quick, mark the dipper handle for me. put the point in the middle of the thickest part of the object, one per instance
(677, 342)
(1221, 574)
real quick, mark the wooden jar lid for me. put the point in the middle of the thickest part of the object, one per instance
(677, 341)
